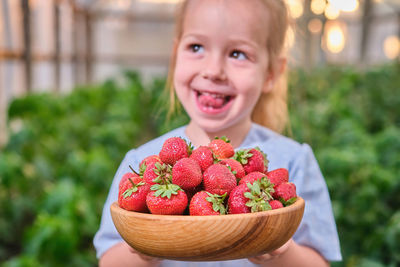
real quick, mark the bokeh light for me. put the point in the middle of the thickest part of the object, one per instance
(318, 6)
(345, 5)
(315, 25)
(296, 8)
(391, 47)
(335, 38)
(290, 38)
(331, 12)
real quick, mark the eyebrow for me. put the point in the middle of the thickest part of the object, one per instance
(242, 41)
(194, 35)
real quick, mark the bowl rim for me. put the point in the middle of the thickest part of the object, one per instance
(298, 204)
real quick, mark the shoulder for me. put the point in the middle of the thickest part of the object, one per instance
(281, 150)
(152, 147)
(267, 139)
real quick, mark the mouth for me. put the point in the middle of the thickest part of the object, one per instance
(212, 102)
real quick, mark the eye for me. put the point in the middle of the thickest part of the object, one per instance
(239, 55)
(196, 48)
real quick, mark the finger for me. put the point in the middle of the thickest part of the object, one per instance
(282, 249)
(147, 258)
(142, 256)
(274, 254)
(261, 258)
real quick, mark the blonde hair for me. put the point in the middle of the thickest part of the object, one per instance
(271, 109)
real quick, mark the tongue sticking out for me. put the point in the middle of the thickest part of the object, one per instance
(211, 101)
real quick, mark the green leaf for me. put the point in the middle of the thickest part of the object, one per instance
(155, 187)
(215, 207)
(190, 148)
(242, 156)
(250, 203)
(127, 193)
(224, 138)
(159, 192)
(249, 195)
(288, 202)
(217, 202)
(142, 169)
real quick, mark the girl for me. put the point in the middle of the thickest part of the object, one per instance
(226, 71)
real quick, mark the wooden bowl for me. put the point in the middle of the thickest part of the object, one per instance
(208, 238)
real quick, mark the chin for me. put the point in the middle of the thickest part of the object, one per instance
(214, 126)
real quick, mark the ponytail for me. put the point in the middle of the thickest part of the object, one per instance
(271, 109)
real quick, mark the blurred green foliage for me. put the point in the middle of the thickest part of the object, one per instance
(63, 151)
(352, 121)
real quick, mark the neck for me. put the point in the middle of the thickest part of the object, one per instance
(236, 134)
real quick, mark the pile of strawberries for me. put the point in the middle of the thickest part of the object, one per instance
(209, 180)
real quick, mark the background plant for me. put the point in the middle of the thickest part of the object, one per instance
(63, 151)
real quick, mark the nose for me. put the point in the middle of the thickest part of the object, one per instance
(214, 68)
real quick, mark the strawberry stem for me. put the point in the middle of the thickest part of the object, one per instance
(130, 167)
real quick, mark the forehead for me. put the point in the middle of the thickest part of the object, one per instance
(241, 17)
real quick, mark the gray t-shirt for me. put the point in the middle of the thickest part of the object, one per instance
(317, 228)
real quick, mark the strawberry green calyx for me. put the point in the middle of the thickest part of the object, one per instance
(223, 138)
(165, 190)
(259, 195)
(128, 192)
(288, 202)
(243, 156)
(190, 148)
(217, 202)
(232, 171)
(142, 169)
(163, 172)
(267, 187)
(215, 158)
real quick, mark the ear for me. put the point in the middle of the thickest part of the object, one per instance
(274, 74)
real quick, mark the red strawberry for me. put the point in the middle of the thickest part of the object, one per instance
(204, 156)
(251, 197)
(251, 177)
(275, 204)
(186, 173)
(149, 175)
(174, 149)
(128, 175)
(278, 176)
(253, 160)
(157, 173)
(132, 195)
(192, 191)
(148, 161)
(218, 179)
(204, 203)
(167, 200)
(286, 193)
(236, 167)
(237, 201)
(222, 147)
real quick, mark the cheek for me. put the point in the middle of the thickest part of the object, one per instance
(182, 71)
(249, 86)
(180, 82)
(250, 91)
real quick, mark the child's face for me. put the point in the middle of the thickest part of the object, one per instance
(222, 62)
